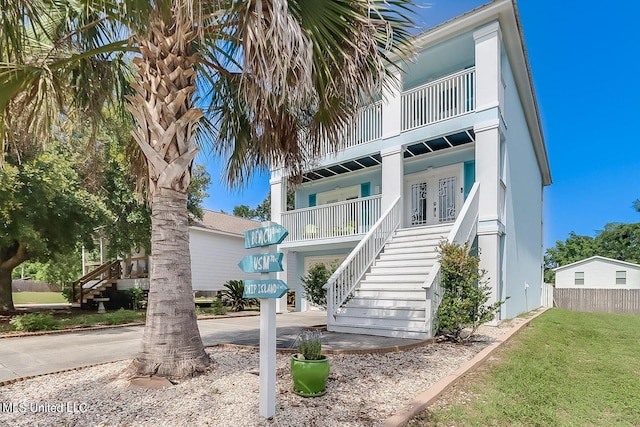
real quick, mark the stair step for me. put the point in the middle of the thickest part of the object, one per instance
(442, 228)
(400, 296)
(423, 250)
(416, 323)
(378, 270)
(422, 242)
(383, 312)
(399, 279)
(408, 302)
(408, 263)
(381, 331)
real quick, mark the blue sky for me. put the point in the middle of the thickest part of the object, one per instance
(584, 61)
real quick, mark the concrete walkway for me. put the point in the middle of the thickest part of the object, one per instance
(35, 355)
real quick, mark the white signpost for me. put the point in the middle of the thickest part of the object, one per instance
(268, 291)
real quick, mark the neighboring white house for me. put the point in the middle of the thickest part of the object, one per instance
(454, 150)
(598, 273)
(216, 244)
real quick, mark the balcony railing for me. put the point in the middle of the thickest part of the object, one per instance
(448, 97)
(351, 217)
(443, 99)
(366, 127)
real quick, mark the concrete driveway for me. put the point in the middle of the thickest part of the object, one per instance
(42, 354)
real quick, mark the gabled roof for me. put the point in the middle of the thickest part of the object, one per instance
(598, 258)
(224, 223)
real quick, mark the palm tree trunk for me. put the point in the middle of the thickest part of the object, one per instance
(166, 118)
(171, 344)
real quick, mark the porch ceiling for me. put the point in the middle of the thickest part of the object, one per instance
(424, 147)
(449, 141)
(344, 167)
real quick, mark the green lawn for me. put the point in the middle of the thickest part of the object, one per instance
(565, 369)
(38, 298)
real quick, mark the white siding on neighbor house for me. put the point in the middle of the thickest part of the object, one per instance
(598, 274)
(215, 258)
(522, 242)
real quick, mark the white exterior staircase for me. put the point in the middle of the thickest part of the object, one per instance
(391, 299)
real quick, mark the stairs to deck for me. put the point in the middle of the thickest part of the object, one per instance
(390, 300)
(93, 283)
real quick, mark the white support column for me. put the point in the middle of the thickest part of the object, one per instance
(488, 50)
(489, 90)
(490, 228)
(392, 107)
(278, 205)
(392, 176)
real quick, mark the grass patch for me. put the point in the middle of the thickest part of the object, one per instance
(38, 298)
(119, 317)
(566, 369)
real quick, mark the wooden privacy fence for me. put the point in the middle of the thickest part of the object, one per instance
(20, 285)
(600, 300)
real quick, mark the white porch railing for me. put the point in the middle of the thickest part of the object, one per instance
(364, 128)
(442, 99)
(332, 220)
(464, 230)
(345, 279)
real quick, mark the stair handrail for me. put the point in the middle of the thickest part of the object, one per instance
(345, 279)
(108, 267)
(464, 228)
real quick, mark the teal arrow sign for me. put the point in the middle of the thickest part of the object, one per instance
(267, 288)
(264, 236)
(263, 263)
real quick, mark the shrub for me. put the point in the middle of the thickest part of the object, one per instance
(232, 295)
(310, 345)
(136, 297)
(464, 295)
(35, 322)
(218, 308)
(313, 283)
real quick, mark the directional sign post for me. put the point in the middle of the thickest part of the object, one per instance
(268, 290)
(263, 263)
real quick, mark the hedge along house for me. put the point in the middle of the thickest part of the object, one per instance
(454, 151)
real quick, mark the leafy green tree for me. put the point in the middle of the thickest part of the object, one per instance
(313, 283)
(619, 241)
(575, 248)
(43, 212)
(636, 205)
(244, 211)
(277, 79)
(262, 212)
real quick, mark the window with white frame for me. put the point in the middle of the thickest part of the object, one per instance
(621, 277)
(579, 278)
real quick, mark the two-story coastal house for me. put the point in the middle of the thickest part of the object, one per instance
(455, 151)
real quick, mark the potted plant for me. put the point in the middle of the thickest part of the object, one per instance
(309, 368)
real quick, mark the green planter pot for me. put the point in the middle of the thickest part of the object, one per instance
(309, 376)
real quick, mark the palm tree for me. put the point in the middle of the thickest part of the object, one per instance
(276, 78)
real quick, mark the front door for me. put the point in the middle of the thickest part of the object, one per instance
(433, 197)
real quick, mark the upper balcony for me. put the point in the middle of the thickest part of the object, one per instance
(446, 98)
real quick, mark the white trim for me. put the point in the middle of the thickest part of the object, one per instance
(209, 230)
(598, 257)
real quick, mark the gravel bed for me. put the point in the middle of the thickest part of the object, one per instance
(362, 390)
